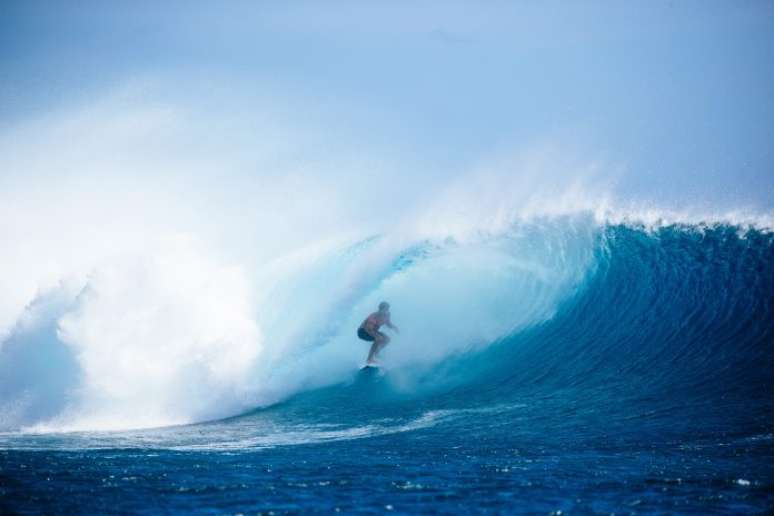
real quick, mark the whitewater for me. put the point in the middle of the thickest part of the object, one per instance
(574, 361)
(569, 207)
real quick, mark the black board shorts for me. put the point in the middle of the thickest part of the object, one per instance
(364, 335)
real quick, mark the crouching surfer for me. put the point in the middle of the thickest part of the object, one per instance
(369, 331)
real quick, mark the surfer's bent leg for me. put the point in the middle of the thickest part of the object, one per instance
(373, 351)
(380, 340)
(371, 336)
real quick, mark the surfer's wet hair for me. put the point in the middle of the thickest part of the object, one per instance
(384, 305)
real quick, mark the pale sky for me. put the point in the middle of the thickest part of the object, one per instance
(678, 95)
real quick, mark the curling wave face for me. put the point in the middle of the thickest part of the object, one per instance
(175, 339)
(620, 310)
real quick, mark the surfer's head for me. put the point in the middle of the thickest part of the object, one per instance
(384, 306)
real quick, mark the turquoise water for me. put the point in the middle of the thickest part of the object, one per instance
(632, 373)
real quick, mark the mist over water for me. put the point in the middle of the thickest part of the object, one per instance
(201, 278)
(569, 209)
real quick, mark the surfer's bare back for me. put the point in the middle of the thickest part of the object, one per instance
(369, 330)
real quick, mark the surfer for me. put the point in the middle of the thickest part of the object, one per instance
(369, 331)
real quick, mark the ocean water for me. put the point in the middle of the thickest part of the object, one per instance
(562, 365)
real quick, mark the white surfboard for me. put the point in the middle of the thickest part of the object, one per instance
(373, 368)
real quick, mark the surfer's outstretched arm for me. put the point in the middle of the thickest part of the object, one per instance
(391, 326)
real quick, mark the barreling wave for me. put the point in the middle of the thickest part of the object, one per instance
(670, 328)
(621, 311)
(680, 309)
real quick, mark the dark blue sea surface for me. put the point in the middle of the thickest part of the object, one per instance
(649, 390)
